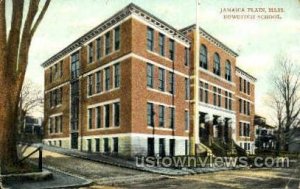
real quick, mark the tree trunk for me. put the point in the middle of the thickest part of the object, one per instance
(8, 125)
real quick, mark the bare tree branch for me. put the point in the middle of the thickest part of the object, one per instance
(40, 17)
(2, 36)
(286, 95)
(27, 36)
(14, 35)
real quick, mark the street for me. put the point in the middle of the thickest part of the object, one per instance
(104, 176)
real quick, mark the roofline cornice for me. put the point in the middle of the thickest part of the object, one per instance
(131, 9)
(209, 37)
(242, 72)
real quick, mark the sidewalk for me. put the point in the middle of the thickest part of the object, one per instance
(129, 164)
(60, 180)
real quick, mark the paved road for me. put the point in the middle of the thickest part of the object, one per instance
(257, 178)
(107, 176)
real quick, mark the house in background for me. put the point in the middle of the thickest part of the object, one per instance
(33, 126)
(265, 138)
(126, 87)
(294, 143)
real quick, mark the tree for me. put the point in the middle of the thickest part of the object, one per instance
(14, 49)
(31, 99)
(286, 95)
(276, 102)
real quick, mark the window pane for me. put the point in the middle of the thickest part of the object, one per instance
(117, 38)
(203, 57)
(107, 43)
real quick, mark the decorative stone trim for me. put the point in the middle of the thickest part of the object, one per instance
(210, 38)
(131, 9)
(242, 73)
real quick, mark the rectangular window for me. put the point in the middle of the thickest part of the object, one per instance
(241, 129)
(55, 71)
(172, 118)
(59, 96)
(186, 144)
(187, 89)
(90, 118)
(150, 115)
(245, 86)
(106, 145)
(56, 124)
(149, 75)
(240, 105)
(219, 97)
(226, 100)
(98, 82)
(248, 88)
(150, 39)
(89, 145)
(161, 116)
(171, 49)
(98, 46)
(117, 38)
(117, 114)
(187, 120)
(90, 53)
(61, 68)
(50, 75)
(107, 43)
(107, 79)
(161, 78)
(60, 123)
(98, 117)
(161, 44)
(150, 146)
(215, 96)
(248, 108)
(201, 91)
(245, 107)
(230, 101)
(75, 65)
(241, 84)
(107, 115)
(186, 56)
(172, 82)
(90, 85)
(162, 149)
(97, 145)
(50, 125)
(50, 99)
(55, 97)
(117, 75)
(172, 147)
(206, 92)
(116, 145)
(247, 129)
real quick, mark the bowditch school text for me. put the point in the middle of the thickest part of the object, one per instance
(252, 13)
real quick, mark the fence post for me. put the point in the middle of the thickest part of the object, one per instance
(40, 159)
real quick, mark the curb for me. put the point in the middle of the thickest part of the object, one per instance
(144, 169)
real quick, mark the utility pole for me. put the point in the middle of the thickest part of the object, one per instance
(195, 102)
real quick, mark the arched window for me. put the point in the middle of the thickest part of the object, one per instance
(217, 68)
(228, 70)
(203, 57)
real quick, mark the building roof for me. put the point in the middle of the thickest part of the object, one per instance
(238, 69)
(209, 37)
(130, 9)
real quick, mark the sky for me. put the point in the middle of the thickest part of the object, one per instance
(257, 42)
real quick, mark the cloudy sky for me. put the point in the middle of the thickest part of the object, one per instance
(256, 41)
